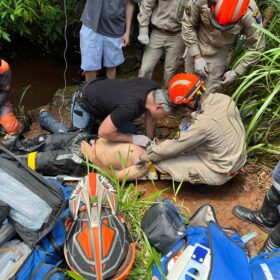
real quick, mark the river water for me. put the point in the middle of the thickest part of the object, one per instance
(44, 78)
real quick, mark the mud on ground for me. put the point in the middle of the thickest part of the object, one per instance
(247, 188)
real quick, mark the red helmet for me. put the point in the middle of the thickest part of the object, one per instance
(226, 13)
(182, 87)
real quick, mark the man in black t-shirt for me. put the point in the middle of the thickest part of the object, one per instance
(118, 102)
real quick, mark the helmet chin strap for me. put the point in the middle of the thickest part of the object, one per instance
(197, 104)
(197, 100)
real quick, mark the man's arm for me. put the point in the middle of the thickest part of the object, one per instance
(128, 19)
(150, 125)
(108, 131)
(146, 9)
(187, 141)
(190, 24)
(255, 42)
(133, 172)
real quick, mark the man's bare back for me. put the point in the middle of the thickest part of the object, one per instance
(121, 156)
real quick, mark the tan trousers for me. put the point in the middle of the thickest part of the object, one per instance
(190, 168)
(171, 45)
(216, 68)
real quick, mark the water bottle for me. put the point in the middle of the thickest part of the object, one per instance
(51, 124)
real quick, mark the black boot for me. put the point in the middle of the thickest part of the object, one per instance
(273, 240)
(268, 216)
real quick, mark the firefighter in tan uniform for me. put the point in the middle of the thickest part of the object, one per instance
(165, 38)
(210, 29)
(213, 148)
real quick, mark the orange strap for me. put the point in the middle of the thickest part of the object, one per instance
(10, 123)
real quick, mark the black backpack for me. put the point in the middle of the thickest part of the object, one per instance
(163, 225)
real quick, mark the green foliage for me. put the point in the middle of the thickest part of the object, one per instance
(73, 275)
(20, 111)
(41, 22)
(258, 96)
(274, 25)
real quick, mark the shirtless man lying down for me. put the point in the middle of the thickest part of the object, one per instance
(120, 156)
(64, 154)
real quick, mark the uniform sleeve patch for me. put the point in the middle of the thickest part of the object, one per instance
(258, 16)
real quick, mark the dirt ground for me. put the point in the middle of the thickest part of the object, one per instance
(247, 188)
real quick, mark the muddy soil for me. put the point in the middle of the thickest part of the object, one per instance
(247, 188)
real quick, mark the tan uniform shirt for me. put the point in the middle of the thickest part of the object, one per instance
(202, 38)
(166, 14)
(216, 135)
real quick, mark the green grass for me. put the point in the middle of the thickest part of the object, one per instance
(133, 204)
(257, 96)
(20, 112)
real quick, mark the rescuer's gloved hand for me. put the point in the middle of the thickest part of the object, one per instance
(200, 67)
(144, 39)
(140, 140)
(229, 77)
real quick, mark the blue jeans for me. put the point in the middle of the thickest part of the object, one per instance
(276, 176)
(49, 123)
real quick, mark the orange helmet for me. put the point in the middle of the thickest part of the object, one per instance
(182, 87)
(226, 13)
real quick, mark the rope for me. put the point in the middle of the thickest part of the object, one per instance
(65, 60)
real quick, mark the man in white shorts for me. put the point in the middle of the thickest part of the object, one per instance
(105, 30)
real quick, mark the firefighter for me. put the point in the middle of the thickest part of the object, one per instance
(267, 216)
(8, 120)
(212, 149)
(165, 38)
(210, 29)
